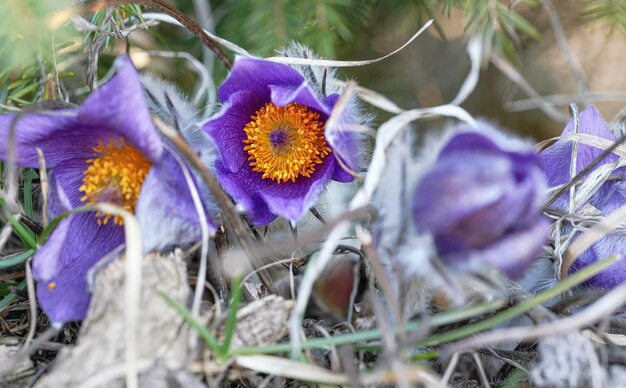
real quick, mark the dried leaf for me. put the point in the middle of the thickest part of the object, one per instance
(260, 323)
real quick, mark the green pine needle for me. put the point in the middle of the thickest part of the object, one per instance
(610, 12)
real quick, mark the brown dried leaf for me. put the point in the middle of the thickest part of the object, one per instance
(100, 351)
(260, 323)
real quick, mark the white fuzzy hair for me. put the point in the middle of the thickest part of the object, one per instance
(171, 105)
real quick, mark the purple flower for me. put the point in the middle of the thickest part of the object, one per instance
(556, 161)
(107, 150)
(480, 202)
(274, 156)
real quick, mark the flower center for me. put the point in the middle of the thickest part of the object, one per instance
(114, 175)
(285, 142)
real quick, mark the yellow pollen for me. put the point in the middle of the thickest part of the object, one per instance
(286, 142)
(114, 175)
(51, 286)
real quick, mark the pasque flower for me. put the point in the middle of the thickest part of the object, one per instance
(274, 156)
(107, 150)
(556, 160)
(480, 201)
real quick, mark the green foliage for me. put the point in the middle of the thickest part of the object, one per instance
(10, 297)
(501, 27)
(231, 321)
(206, 335)
(118, 21)
(445, 318)
(325, 25)
(16, 259)
(26, 235)
(500, 24)
(28, 192)
(264, 26)
(222, 351)
(609, 12)
(26, 34)
(29, 45)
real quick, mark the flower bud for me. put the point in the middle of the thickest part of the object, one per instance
(480, 201)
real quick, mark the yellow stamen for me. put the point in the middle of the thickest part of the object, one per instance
(51, 286)
(286, 142)
(114, 175)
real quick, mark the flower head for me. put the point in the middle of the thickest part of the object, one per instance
(480, 202)
(275, 156)
(556, 160)
(107, 150)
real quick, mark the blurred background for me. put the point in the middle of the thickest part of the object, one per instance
(565, 51)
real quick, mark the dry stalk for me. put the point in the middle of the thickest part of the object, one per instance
(231, 217)
(162, 6)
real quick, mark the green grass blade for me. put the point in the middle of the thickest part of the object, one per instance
(426, 356)
(231, 321)
(448, 317)
(572, 281)
(26, 235)
(206, 335)
(17, 96)
(368, 335)
(16, 259)
(7, 300)
(50, 228)
(28, 193)
(55, 222)
(517, 378)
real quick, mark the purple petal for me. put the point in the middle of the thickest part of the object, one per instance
(610, 277)
(457, 187)
(227, 128)
(244, 186)
(610, 196)
(343, 141)
(116, 109)
(470, 201)
(293, 200)
(513, 254)
(489, 140)
(264, 199)
(555, 160)
(61, 270)
(59, 134)
(119, 107)
(166, 210)
(69, 177)
(302, 95)
(58, 202)
(45, 262)
(345, 146)
(255, 75)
